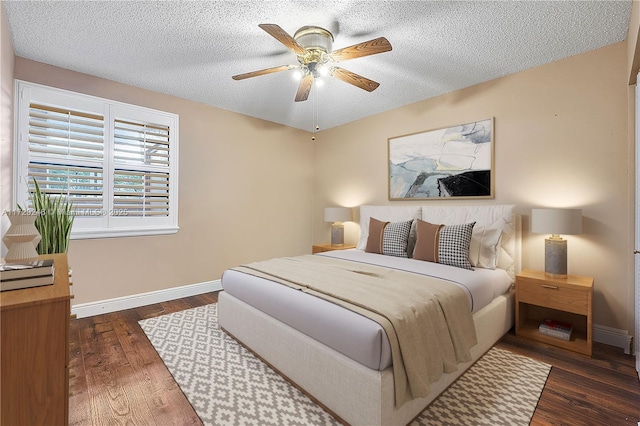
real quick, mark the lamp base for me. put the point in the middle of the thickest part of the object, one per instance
(337, 234)
(555, 258)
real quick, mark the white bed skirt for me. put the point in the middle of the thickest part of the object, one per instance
(357, 394)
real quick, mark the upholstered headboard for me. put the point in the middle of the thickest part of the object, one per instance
(499, 216)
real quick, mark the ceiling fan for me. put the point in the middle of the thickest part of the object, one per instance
(312, 45)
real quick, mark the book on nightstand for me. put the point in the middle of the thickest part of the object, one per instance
(558, 329)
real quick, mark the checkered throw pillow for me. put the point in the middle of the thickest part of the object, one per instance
(395, 238)
(454, 245)
(448, 245)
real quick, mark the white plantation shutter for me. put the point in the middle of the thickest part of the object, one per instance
(117, 163)
(141, 143)
(82, 185)
(141, 193)
(141, 168)
(66, 150)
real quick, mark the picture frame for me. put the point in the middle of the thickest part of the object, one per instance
(454, 162)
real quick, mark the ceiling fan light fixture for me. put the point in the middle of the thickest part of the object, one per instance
(314, 38)
(298, 73)
(313, 48)
(322, 70)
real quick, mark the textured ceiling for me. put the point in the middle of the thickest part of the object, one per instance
(190, 49)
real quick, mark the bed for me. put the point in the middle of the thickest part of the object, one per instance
(343, 359)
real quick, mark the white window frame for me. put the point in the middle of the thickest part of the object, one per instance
(107, 222)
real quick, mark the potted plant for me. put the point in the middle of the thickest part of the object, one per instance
(54, 221)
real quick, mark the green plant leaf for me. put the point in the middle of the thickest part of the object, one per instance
(54, 222)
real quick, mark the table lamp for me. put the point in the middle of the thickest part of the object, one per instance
(337, 215)
(556, 222)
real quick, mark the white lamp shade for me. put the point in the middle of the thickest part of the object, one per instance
(337, 214)
(556, 221)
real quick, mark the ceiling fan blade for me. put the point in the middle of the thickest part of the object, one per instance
(283, 37)
(304, 88)
(371, 47)
(261, 72)
(355, 79)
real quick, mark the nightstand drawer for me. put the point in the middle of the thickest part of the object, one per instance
(553, 296)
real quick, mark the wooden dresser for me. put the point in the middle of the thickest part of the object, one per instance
(34, 339)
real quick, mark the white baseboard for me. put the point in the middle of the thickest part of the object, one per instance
(612, 336)
(84, 310)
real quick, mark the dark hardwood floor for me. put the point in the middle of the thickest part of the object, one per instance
(117, 378)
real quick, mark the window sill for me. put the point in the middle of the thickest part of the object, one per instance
(86, 234)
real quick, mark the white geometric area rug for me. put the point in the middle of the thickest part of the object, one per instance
(227, 385)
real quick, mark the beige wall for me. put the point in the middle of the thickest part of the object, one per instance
(560, 141)
(244, 194)
(6, 122)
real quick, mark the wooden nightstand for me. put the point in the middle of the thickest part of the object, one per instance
(568, 300)
(319, 248)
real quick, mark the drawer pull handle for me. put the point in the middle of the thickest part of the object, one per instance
(553, 287)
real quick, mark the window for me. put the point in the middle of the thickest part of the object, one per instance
(117, 163)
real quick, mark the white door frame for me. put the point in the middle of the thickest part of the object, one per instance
(637, 229)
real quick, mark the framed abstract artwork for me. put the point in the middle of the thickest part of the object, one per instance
(450, 162)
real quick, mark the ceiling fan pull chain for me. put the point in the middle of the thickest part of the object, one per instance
(314, 112)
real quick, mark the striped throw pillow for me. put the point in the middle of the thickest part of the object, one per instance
(388, 238)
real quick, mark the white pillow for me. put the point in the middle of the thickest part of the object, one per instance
(484, 249)
(500, 216)
(385, 214)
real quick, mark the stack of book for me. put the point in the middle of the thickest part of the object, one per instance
(553, 328)
(14, 276)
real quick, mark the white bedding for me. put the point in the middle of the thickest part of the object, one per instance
(360, 338)
(481, 285)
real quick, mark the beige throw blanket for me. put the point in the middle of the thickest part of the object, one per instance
(428, 320)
